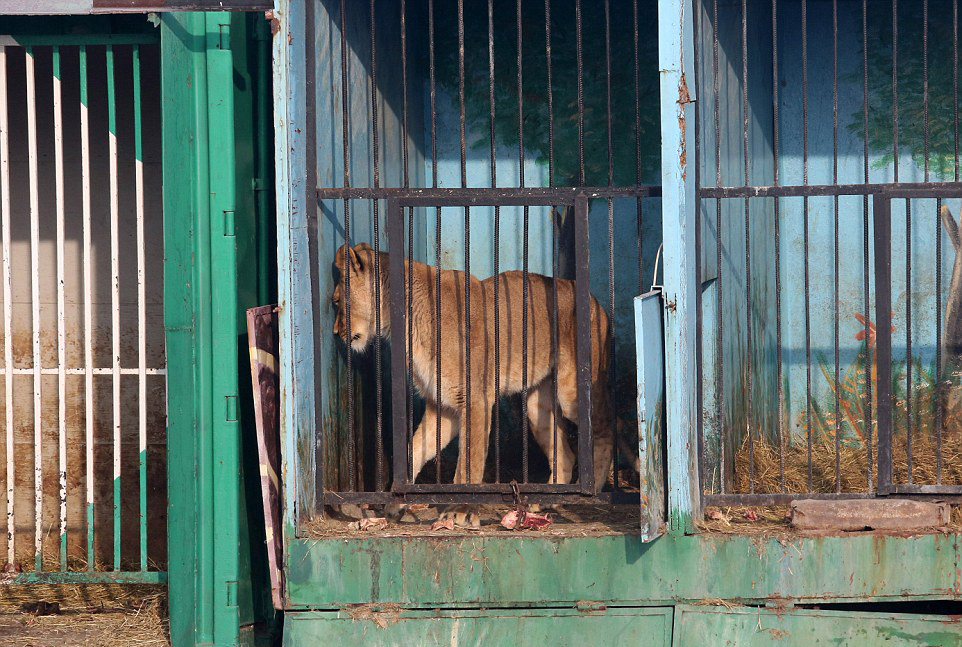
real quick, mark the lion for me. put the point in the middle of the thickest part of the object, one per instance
(453, 404)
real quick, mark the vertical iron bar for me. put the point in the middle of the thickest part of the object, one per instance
(61, 323)
(141, 308)
(719, 365)
(639, 223)
(115, 291)
(345, 142)
(778, 253)
(838, 414)
(611, 239)
(895, 88)
(748, 256)
(909, 390)
(7, 304)
(955, 82)
(524, 258)
(497, 246)
(883, 307)
(467, 256)
(583, 349)
(925, 85)
(555, 411)
(938, 343)
(869, 350)
(378, 440)
(808, 320)
(313, 253)
(579, 62)
(399, 364)
(437, 240)
(408, 392)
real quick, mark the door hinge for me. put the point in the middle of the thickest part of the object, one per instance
(590, 607)
(231, 413)
(228, 222)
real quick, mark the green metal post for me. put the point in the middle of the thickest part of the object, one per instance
(142, 454)
(224, 330)
(187, 322)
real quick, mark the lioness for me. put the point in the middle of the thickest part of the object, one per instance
(452, 403)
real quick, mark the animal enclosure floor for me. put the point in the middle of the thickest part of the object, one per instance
(73, 629)
(566, 521)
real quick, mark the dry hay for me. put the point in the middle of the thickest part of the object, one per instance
(145, 626)
(852, 463)
(79, 597)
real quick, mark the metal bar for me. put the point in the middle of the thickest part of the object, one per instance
(579, 62)
(547, 194)
(61, 325)
(409, 395)
(867, 407)
(778, 255)
(748, 255)
(938, 342)
(7, 305)
(497, 239)
(437, 241)
(115, 291)
(379, 395)
(85, 578)
(895, 88)
(82, 371)
(780, 499)
(524, 254)
(909, 390)
(346, 152)
(955, 83)
(399, 388)
(905, 189)
(837, 295)
(141, 307)
(467, 261)
(925, 85)
(88, 307)
(583, 349)
(883, 340)
(926, 489)
(34, 191)
(473, 497)
(808, 321)
(719, 324)
(84, 40)
(611, 233)
(470, 488)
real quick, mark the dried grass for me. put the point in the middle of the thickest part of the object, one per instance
(145, 626)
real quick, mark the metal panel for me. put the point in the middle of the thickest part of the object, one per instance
(650, 347)
(468, 570)
(508, 627)
(789, 627)
(48, 7)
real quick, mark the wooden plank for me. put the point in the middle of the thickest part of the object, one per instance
(869, 514)
(650, 349)
(262, 338)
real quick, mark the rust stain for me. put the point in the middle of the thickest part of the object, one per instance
(684, 98)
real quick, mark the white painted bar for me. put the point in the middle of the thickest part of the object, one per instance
(7, 305)
(141, 312)
(61, 315)
(87, 307)
(115, 303)
(35, 301)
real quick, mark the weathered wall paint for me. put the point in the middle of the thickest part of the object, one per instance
(468, 570)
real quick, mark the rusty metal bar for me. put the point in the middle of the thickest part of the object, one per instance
(559, 194)
(583, 349)
(400, 385)
(883, 339)
(379, 389)
(345, 142)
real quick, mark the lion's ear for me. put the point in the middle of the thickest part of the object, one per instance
(347, 254)
(364, 247)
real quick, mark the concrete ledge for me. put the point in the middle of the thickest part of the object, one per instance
(868, 514)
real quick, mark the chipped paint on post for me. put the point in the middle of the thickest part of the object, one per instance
(678, 230)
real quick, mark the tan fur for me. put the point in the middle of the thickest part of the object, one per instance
(452, 404)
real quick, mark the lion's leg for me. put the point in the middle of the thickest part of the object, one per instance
(473, 452)
(548, 434)
(424, 443)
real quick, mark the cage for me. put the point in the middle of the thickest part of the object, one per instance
(828, 176)
(515, 140)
